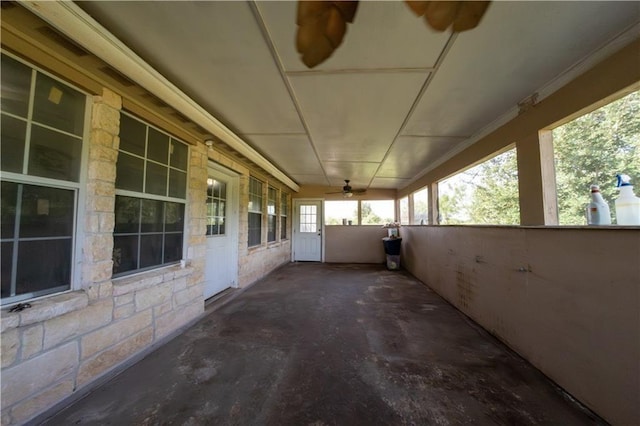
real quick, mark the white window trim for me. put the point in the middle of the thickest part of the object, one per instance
(148, 196)
(79, 187)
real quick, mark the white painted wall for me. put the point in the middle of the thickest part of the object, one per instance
(354, 244)
(573, 311)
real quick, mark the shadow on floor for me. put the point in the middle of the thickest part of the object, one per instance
(330, 344)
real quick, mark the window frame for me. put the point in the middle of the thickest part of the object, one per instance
(221, 201)
(325, 209)
(360, 219)
(143, 195)
(358, 214)
(251, 210)
(401, 219)
(511, 150)
(284, 207)
(559, 191)
(77, 187)
(425, 190)
(272, 216)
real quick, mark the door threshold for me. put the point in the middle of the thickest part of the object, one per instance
(218, 297)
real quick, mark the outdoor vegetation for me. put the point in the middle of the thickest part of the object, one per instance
(591, 149)
(484, 194)
(372, 212)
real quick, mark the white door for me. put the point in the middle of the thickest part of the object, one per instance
(221, 264)
(307, 236)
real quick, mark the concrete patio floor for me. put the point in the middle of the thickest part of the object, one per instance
(330, 344)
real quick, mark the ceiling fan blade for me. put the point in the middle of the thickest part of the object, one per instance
(347, 9)
(440, 14)
(338, 192)
(469, 15)
(358, 191)
(418, 7)
(321, 28)
(464, 15)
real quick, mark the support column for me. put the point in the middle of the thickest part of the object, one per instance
(433, 212)
(97, 263)
(536, 180)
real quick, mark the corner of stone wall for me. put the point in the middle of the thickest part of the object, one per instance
(100, 200)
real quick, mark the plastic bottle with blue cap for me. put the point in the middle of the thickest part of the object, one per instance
(627, 204)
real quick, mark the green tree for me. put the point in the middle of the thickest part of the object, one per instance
(495, 196)
(592, 149)
(368, 216)
(420, 211)
(485, 194)
(451, 204)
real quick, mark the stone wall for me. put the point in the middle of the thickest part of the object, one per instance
(65, 342)
(258, 262)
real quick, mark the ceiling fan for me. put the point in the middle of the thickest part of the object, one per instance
(323, 24)
(348, 191)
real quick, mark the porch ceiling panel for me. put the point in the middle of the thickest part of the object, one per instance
(389, 183)
(213, 51)
(411, 155)
(398, 40)
(355, 117)
(391, 76)
(307, 179)
(360, 173)
(292, 153)
(518, 48)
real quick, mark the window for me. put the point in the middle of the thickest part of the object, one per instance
(41, 153)
(216, 206)
(255, 212)
(592, 149)
(308, 218)
(361, 212)
(151, 186)
(284, 208)
(272, 194)
(421, 207)
(341, 212)
(404, 211)
(377, 212)
(484, 194)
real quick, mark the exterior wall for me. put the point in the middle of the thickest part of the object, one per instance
(354, 244)
(255, 263)
(566, 299)
(64, 342)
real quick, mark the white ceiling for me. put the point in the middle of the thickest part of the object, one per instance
(394, 100)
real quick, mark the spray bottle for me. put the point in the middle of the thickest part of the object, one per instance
(627, 204)
(598, 210)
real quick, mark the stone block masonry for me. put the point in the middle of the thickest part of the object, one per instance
(47, 360)
(64, 342)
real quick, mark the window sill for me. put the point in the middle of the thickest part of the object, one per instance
(146, 279)
(45, 309)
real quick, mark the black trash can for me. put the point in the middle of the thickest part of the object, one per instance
(392, 251)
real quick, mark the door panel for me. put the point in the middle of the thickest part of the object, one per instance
(221, 266)
(308, 231)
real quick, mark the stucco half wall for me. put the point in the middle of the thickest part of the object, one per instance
(566, 299)
(354, 244)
